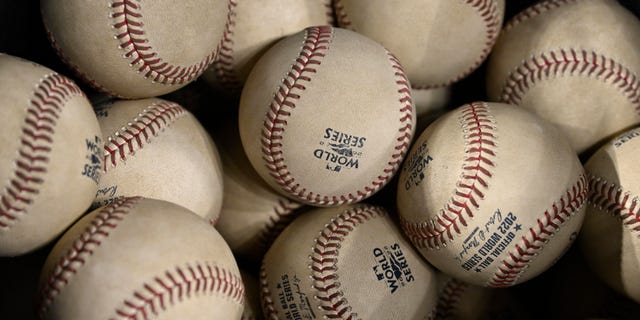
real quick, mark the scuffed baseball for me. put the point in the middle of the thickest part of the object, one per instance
(462, 301)
(252, 213)
(50, 155)
(155, 148)
(610, 239)
(139, 258)
(254, 27)
(133, 48)
(438, 42)
(348, 262)
(326, 116)
(491, 194)
(575, 63)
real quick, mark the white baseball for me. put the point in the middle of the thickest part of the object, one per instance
(157, 149)
(575, 63)
(255, 26)
(136, 48)
(139, 259)
(49, 156)
(347, 262)
(491, 194)
(252, 213)
(326, 116)
(437, 41)
(611, 235)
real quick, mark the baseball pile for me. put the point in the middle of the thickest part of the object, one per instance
(326, 159)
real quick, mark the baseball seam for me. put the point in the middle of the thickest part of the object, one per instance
(282, 215)
(67, 61)
(222, 66)
(488, 12)
(611, 198)
(267, 303)
(315, 46)
(341, 14)
(534, 11)
(127, 16)
(449, 299)
(324, 261)
(570, 62)
(149, 123)
(480, 143)
(163, 291)
(323, 265)
(534, 240)
(36, 141)
(329, 11)
(82, 248)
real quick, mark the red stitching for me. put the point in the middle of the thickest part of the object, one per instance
(43, 111)
(82, 248)
(449, 299)
(324, 260)
(570, 62)
(223, 64)
(283, 216)
(488, 11)
(164, 291)
(329, 11)
(127, 16)
(268, 306)
(612, 199)
(534, 11)
(316, 44)
(478, 125)
(343, 18)
(323, 265)
(75, 67)
(150, 122)
(534, 240)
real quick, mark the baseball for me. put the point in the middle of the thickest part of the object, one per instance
(462, 301)
(134, 48)
(139, 259)
(348, 262)
(255, 26)
(437, 41)
(610, 238)
(252, 213)
(575, 64)
(155, 148)
(326, 116)
(491, 194)
(51, 144)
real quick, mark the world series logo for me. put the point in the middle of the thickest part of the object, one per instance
(92, 167)
(392, 267)
(340, 150)
(415, 166)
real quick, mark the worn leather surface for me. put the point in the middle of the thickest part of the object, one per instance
(609, 239)
(581, 99)
(123, 255)
(348, 252)
(50, 137)
(349, 115)
(177, 160)
(500, 161)
(252, 213)
(257, 25)
(89, 35)
(436, 41)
